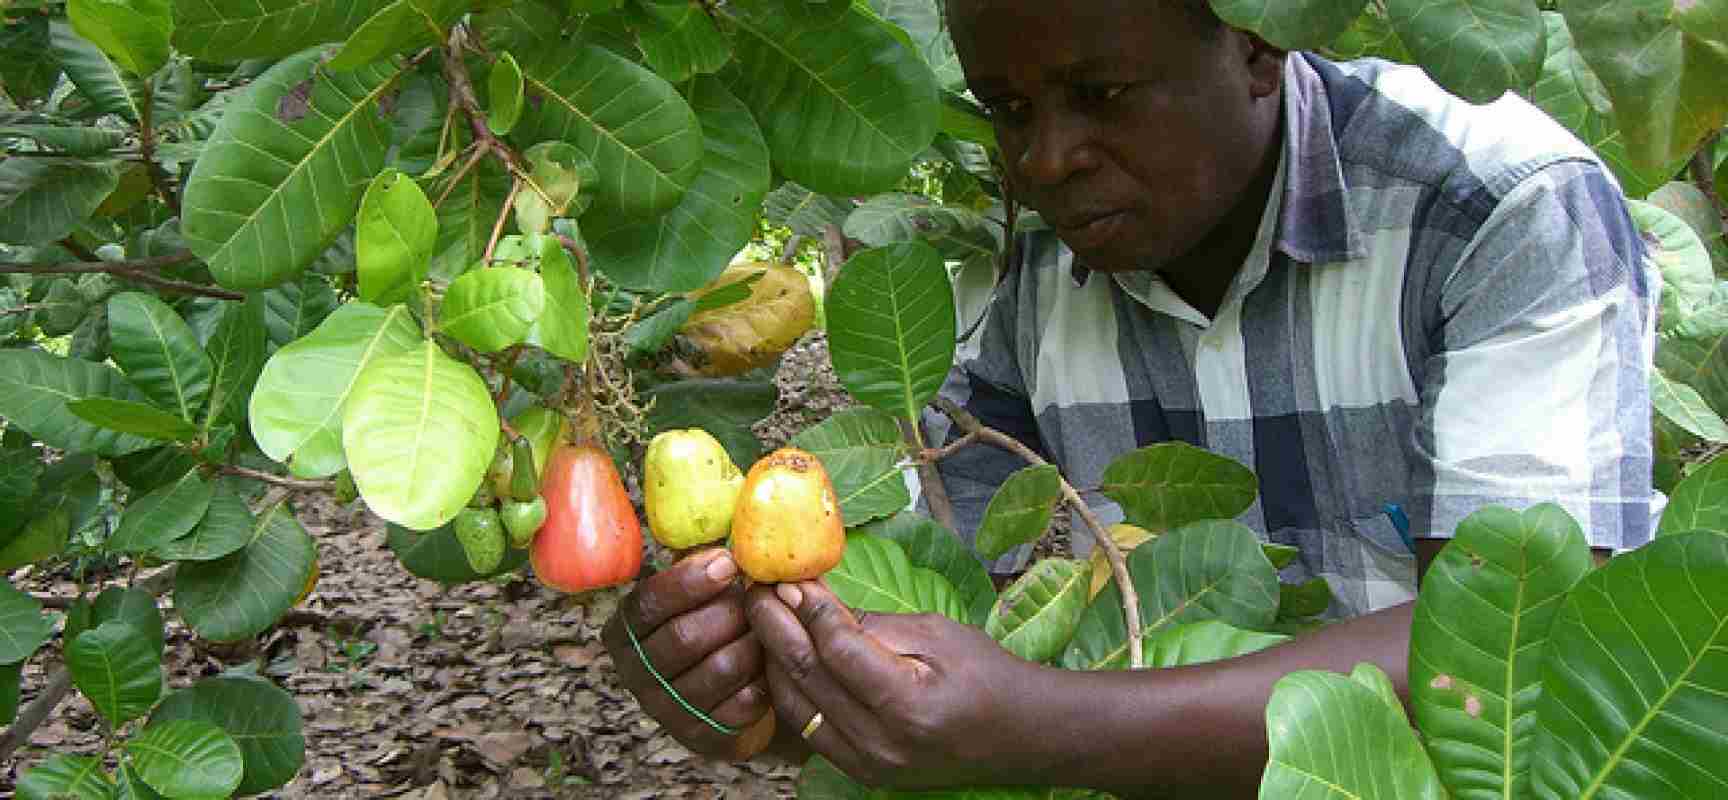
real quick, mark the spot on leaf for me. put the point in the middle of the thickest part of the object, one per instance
(294, 105)
(1473, 705)
(1441, 682)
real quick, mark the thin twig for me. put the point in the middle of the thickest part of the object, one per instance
(581, 258)
(276, 480)
(462, 173)
(78, 250)
(498, 225)
(159, 180)
(1112, 553)
(32, 716)
(141, 270)
(929, 479)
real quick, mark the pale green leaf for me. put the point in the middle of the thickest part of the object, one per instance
(1019, 512)
(1168, 485)
(1037, 614)
(1292, 26)
(927, 544)
(875, 575)
(957, 233)
(1684, 406)
(491, 309)
(187, 758)
(562, 328)
(1699, 503)
(861, 450)
(504, 98)
(159, 353)
(263, 720)
(891, 327)
(36, 386)
(1687, 277)
(1333, 737)
(1477, 49)
(419, 433)
(233, 30)
(137, 419)
(242, 594)
(394, 237)
(1695, 350)
(117, 668)
(132, 32)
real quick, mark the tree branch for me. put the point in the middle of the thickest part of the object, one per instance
(276, 480)
(1113, 553)
(1704, 173)
(141, 270)
(929, 480)
(32, 716)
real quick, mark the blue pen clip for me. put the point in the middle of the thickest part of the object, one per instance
(1401, 521)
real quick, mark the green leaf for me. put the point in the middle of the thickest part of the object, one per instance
(1172, 484)
(1664, 80)
(874, 575)
(1204, 641)
(465, 218)
(419, 432)
(1019, 512)
(394, 238)
(876, 96)
(891, 327)
(284, 172)
(805, 212)
(242, 594)
(635, 128)
(1635, 680)
(1687, 277)
(44, 536)
(117, 669)
(163, 515)
(927, 544)
(1291, 26)
(680, 40)
(860, 448)
(1281, 555)
(957, 233)
(137, 419)
(43, 199)
(72, 139)
(28, 76)
(1695, 351)
(692, 243)
(226, 527)
(1477, 642)
(226, 31)
(922, 21)
(1333, 737)
(1698, 503)
(1477, 49)
(135, 607)
(132, 32)
(35, 388)
(1684, 406)
(401, 25)
(562, 328)
(61, 777)
(504, 95)
(187, 758)
(23, 628)
(297, 404)
(437, 555)
(1688, 203)
(159, 352)
(20, 468)
(1037, 614)
(263, 720)
(1205, 570)
(491, 309)
(129, 786)
(295, 309)
(726, 408)
(97, 77)
(1300, 601)
(237, 351)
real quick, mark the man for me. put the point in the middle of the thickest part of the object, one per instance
(1366, 290)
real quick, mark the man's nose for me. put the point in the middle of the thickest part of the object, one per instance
(1059, 145)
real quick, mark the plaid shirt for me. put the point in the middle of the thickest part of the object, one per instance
(1447, 306)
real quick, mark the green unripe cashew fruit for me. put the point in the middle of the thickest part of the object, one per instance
(543, 428)
(482, 538)
(524, 480)
(346, 492)
(523, 520)
(690, 486)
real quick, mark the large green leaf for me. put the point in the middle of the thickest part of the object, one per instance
(1205, 570)
(437, 555)
(861, 450)
(957, 233)
(1020, 510)
(187, 758)
(163, 515)
(393, 239)
(237, 351)
(1664, 79)
(635, 128)
(133, 606)
(491, 309)
(401, 25)
(874, 575)
(296, 308)
(1477, 641)
(1478, 49)
(35, 388)
(61, 777)
(297, 404)
(233, 30)
(726, 408)
(242, 594)
(226, 527)
(285, 170)
(1333, 737)
(72, 139)
(1635, 682)
(138, 419)
(419, 433)
(679, 40)
(28, 76)
(159, 353)
(1168, 485)
(1684, 406)
(922, 21)
(1700, 502)
(891, 326)
(23, 628)
(875, 97)
(928, 544)
(263, 720)
(1292, 26)
(43, 199)
(469, 207)
(562, 328)
(20, 468)
(1037, 614)
(39, 537)
(1687, 277)
(805, 212)
(1204, 641)
(118, 669)
(1695, 351)
(132, 32)
(109, 88)
(691, 244)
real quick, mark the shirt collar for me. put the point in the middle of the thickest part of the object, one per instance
(1317, 224)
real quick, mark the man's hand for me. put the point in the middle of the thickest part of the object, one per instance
(907, 701)
(690, 623)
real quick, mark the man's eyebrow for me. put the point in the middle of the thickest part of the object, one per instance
(1089, 66)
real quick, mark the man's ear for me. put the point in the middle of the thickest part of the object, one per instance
(1265, 64)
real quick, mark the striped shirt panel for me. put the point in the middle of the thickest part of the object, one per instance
(1447, 306)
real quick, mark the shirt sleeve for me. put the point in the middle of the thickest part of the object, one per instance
(1537, 387)
(986, 380)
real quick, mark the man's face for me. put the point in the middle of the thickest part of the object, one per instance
(1131, 131)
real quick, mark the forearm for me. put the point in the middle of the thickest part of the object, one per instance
(1175, 732)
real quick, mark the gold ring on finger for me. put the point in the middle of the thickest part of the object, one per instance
(811, 726)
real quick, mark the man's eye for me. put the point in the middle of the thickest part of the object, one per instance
(1013, 108)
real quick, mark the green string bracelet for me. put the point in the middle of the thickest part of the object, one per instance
(723, 728)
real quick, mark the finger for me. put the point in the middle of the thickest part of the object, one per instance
(722, 673)
(788, 647)
(796, 710)
(869, 670)
(687, 585)
(689, 638)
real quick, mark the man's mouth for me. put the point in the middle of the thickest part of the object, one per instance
(1087, 231)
